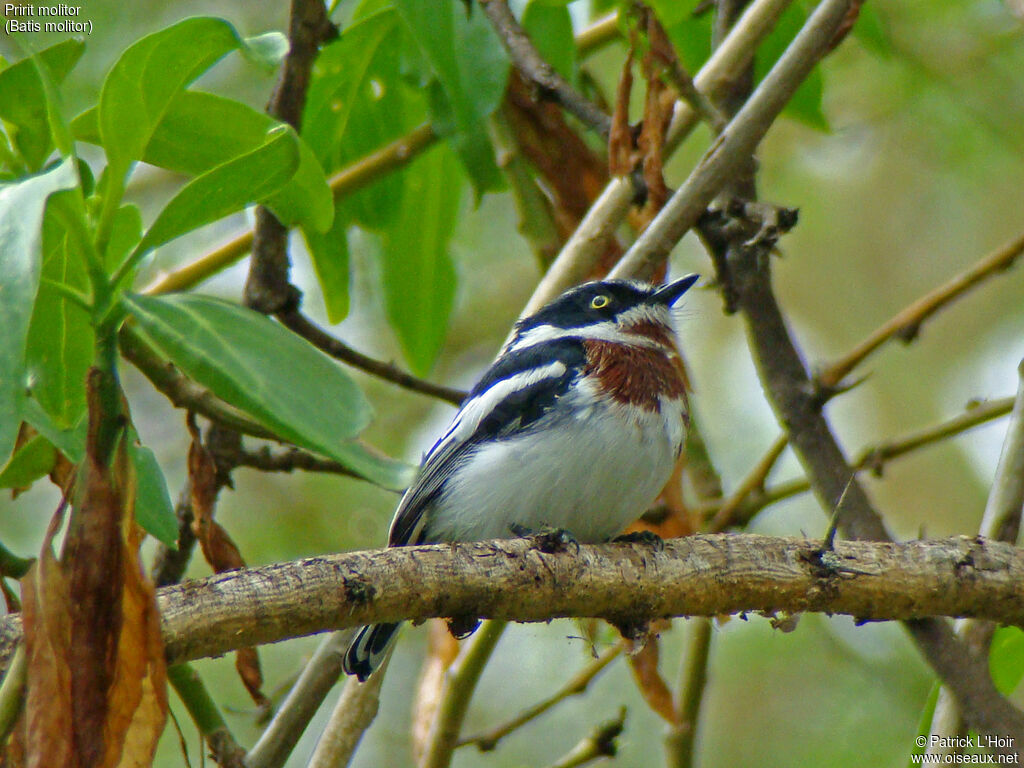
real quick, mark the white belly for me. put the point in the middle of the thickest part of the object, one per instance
(592, 473)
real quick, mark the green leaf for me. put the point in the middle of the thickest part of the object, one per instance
(549, 26)
(23, 100)
(805, 105)
(268, 372)
(1006, 659)
(924, 725)
(471, 66)
(200, 131)
(154, 510)
(329, 253)
(61, 343)
(356, 104)
(146, 78)
(419, 278)
(70, 442)
(21, 215)
(226, 189)
(33, 460)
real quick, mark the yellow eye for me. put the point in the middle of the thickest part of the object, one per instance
(599, 302)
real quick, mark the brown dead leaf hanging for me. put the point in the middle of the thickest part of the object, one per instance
(219, 549)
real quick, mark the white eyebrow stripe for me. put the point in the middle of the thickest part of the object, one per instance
(602, 331)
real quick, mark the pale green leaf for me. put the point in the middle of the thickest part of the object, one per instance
(21, 216)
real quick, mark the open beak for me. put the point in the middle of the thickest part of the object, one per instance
(669, 294)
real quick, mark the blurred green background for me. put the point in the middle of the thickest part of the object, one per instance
(920, 173)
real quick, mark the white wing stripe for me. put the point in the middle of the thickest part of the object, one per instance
(476, 410)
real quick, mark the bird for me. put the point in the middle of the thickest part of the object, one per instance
(576, 427)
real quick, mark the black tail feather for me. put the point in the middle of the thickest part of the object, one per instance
(368, 650)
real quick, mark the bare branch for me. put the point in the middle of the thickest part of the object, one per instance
(737, 142)
(535, 69)
(598, 744)
(586, 245)
(353, 713)
(702, 575)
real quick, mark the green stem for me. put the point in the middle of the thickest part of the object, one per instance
(12, 692)
(459, 686)
(205, 713)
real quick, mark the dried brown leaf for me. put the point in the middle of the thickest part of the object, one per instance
(653, 688)
(96, 676)
(621, 144)
(48, 711)
(219, 549)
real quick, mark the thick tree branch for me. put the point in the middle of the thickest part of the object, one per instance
(704, 575)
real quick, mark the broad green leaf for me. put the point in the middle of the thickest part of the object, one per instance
(60, 337)
(873, 31)
(419, 278)
(23, 99)
(154, 510)
(226, 189)
(266, 371)
(356, 104)
(329, 253)
(1006, 659)
(471, 66)
(549, 26)
(202, 130)
(805, 105)
(33, 460)
(149, 74)
(21, 216)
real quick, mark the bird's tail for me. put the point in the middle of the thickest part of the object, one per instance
(369, 649)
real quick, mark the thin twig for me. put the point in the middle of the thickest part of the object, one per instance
(311, 332)
(1001, 521)
(754, 481)
(535, 69)
(793, 397)
(304, 699)
(575, 686)
(907, 322)
(598, 744)
(735, 146)
(352, 715)
(459, 684)
(579, 255)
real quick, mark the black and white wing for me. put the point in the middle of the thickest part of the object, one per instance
(513, 395)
